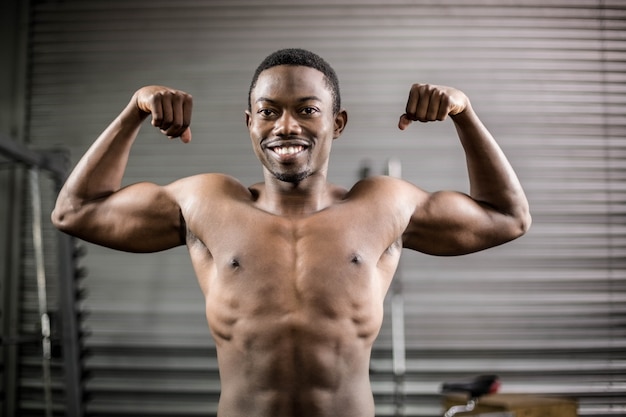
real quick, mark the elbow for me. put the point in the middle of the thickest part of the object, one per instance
(523, 221)
(528, 221)
(64, 218)
(59, 219)
(526, 218)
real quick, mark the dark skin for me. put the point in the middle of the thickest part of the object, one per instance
(294, 270)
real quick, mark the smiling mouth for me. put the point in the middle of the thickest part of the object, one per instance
(287, 150)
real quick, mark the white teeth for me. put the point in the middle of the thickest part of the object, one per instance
(288, 150)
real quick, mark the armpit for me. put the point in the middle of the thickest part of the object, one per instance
(395, 246)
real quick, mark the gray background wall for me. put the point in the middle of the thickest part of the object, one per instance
(546, 312)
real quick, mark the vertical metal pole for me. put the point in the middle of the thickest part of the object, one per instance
(398, 344)
(397, 330)
(41, 287)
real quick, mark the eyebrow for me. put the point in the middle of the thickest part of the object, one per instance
(300, 100)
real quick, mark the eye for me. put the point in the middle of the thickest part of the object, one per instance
(265, 112)
(309, 111)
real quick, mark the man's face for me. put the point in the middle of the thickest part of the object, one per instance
(291, 122)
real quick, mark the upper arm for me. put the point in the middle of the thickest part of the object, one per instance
(142, 217)
(452, 223)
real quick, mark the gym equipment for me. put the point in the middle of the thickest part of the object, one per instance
(55, 164)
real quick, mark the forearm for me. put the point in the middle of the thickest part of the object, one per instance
(492, 178)
(101, 169)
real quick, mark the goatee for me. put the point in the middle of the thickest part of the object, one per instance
(291, 178)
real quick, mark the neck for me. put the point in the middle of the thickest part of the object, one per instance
(296, 199)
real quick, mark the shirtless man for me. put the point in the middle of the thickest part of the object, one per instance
(294, 270)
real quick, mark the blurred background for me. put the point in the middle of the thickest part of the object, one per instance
(128, 336)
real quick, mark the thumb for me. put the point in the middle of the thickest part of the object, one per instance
(404, 122)
(186, 136)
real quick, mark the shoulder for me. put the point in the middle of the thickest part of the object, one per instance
(204, 197)
(209, 183)
(207, 192)
(388, 196)
(385, 187)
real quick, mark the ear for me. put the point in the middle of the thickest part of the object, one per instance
(248, 118)
(341, 119)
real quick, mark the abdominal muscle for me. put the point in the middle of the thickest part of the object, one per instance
(281, 369)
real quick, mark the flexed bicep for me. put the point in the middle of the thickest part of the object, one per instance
(451, 223)
(142, 217)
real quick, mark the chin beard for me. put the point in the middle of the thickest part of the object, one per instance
(291, 178)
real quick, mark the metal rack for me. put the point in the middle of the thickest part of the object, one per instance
(54, 163)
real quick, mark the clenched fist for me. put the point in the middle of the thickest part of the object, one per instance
(428, 103)
(170, 110)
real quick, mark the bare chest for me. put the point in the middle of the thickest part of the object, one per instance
(331, 264)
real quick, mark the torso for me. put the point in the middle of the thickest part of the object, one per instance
(294, 303)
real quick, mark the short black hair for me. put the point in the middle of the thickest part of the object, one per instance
(300, 57)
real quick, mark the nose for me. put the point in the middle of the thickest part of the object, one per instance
(286, 125)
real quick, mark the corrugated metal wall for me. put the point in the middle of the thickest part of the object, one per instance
(546, 312)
